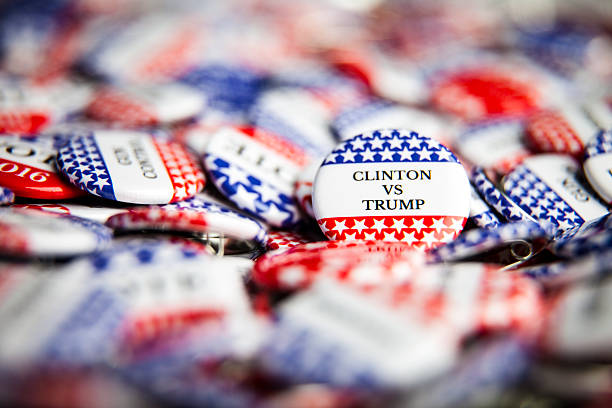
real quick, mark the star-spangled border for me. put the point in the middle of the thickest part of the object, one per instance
(390, 146)
(477, 241)
(592, 236)
(537, 199)
(486, 220)
(601, 144)
(251, 194)
(184, 214)
(6, 196)
(496, 199)
(283, 240)
(418, 231)
(80, 159)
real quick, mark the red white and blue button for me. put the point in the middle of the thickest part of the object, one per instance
(131, 167)
(392, 185)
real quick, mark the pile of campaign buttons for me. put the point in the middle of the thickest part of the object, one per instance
(297, 204)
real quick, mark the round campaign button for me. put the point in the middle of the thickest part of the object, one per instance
(145, 105)
(494, 144)
(598, 165)
(392, 185)
(563, 130)
(36, 233)
(256, 171)
(199, 214)
(6, 196)
(547, 187)
(27, 167)
(131, 167)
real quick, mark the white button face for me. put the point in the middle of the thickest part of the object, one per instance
(392, 185)
(131, 167)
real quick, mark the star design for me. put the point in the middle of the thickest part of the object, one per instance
(376, 144)
(369, 237)
(359, 225)
(414, 143)
(424, 154)
(274, 215)
(390, 236)
(387, 155)
(395, 143)
(444, 155)
(409, 238)
(340, 226)
(398, 224)
(438, 224)
(234, 175)
(100, 182)
(267, 193)
(357, 143)
(405, 154)
(418, 224)
(367, 155)
(245, 198)
(349, 156)
(429, 238)
(86, 178)
(379, 225)
(456, 224)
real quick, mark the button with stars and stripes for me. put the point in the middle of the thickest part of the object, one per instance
(27, 167)
(34, 233)
(548, 187)
(598, 165)
(566, 129)
(256, 171)
(392, 185)
(198, 214)
(131, 167)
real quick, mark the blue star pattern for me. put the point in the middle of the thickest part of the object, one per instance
(252, 195)
(486, 220)
(601, 144)
(592, 236)
(496, 199)
(477, 241)
(389, 145)
(539, 200)
(355, 114)
(6, 196)
(81, 161)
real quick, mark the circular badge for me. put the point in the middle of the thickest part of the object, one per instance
(27, 167)
(131, 167)
(392, 185)
(36, 233)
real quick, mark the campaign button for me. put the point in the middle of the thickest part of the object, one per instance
(256, 171)
(563, 130)
(280, 241)
(39, 234)
(547, 187)
(297, 115)
(145, 105)
(91, 212)
(497, 199)
(197, 214)
(597, 165)
(476, 93)
(6, 196)
(27, 167)
(480, 212)
(377, 114)
(494, 144)
(131, 167)
(361, 264)
(590, 237)
(392, 185)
